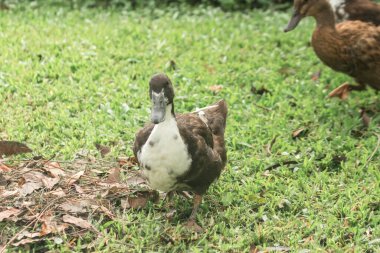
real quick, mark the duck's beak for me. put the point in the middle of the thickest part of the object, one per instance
(158, 108)
(296, 18)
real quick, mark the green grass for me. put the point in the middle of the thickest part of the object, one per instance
(72, 78)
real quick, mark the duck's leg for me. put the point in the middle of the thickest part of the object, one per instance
(343, 90)
(196, 203)
(191, 223)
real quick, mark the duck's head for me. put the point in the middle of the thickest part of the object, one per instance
(304, 8)
(161, 94)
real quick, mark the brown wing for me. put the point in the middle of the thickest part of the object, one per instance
(141, 137)
(366, 11)
(206, 148)
(362, 46)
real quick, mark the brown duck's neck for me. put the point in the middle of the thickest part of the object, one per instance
(325, 16)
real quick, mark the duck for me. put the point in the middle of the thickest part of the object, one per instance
(181, 152)
(350, 47)
(363, 10)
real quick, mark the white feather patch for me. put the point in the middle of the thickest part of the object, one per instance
(164, 156)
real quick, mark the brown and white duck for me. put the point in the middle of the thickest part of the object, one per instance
(363, 10)
(181, 152)
(351, 47)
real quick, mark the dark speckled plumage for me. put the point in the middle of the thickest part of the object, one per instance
(202, 132)
(363, 10)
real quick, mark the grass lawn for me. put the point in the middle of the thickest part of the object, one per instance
(69, 79)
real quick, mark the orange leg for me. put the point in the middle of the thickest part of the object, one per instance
(191, 223)
(343, 90)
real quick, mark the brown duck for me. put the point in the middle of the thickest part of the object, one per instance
(181, 152)
(363, 10)
(351, 47)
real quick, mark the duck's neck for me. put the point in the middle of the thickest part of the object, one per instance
(169, 115)
(325, 16)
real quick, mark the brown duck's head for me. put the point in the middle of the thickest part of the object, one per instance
(161, 94)
(304, 8)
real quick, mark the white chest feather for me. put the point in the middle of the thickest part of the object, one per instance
(164, 156)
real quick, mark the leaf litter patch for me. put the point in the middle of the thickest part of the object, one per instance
(50, 200)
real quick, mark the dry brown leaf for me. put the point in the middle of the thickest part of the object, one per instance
(9, 148)
(127, 162)
(29, 187)
(104, 150)
(316, 75)
(6, 194)
(4, 168)
(49, 182)
(58, 192)
(79, 222)
(216, 88)
(27, 234)
(27, 241)
(74, 206)
(136, 180)
(113, 176)
(299, 132)
(54, 169)
(142, 198)
(79, 189)
(342, 91)
(8, 213)
(75, 177)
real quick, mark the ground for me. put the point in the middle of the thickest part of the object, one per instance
(70, 78)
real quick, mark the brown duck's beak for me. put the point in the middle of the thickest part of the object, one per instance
(296, 18)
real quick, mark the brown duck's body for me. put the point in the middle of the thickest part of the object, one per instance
(350, 47)
(203, 134)
(183, 152)
(363, 10)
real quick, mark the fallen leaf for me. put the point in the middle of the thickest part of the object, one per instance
(79, 222)
(8, 213)
(104, 150)
(299, 132)
(58, 192)
(9, 148)
(4, 168)
(54, 169)
(75, 177)
(142, 198)
(6, 194)
(316, 75)
(27, 241)
(29, 187)
(49, 182)
(3, 180)
(127, 162)
(113, 176)
(136, 180)
(79, 189)
(74, 206)
(342, 91)
(216, 88)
